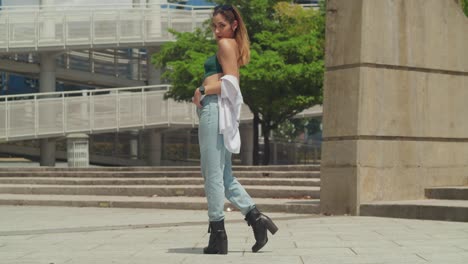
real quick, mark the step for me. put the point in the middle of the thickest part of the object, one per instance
(430, 209)
(149, 174)
(151, 181)
(447, 193)
(157, 190)
(181, 203)
(171, 168)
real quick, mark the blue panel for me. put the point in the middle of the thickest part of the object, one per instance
(199, 3)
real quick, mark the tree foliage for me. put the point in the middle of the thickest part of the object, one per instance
(465, 6)
(184, 60)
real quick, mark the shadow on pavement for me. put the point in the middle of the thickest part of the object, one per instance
(197, 251)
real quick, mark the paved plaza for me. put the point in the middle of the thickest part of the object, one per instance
(107, 235)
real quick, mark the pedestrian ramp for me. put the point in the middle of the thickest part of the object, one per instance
(67, 27)
(42, 115)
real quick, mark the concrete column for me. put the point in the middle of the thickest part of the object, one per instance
(274, 147)
(47, 84)
(394, 101)
(153, 74)
(134, 64)
(154, 136)
(246, 133)
(154, 147)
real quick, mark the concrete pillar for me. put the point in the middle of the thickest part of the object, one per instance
(47, 157)
(154, 136)
(153, 74)
(274, 147)
(47, 84)
(134, 64)
(246, 133)
(394, 101)
(154, 147)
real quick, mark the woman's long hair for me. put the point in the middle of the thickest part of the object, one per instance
(231, 13)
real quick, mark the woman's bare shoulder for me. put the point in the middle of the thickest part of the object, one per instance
(227, 44)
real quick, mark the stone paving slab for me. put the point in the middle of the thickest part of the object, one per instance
(33, 235)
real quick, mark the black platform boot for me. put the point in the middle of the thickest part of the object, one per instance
(260, 223)
(218, 243)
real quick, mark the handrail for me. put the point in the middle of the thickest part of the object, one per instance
(6, 8)
(161, 87)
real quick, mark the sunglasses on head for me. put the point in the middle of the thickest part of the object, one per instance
(224, 8)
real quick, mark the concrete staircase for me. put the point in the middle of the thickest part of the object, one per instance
(293, 189)
(441, 203)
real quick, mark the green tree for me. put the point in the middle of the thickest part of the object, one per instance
(464, 4)
(285, 74)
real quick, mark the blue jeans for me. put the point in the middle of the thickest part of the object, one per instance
(216, 165)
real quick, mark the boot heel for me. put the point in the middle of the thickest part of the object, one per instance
(271, 227)
(223, 246)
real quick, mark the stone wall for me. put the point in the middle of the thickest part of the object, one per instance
(395, 101)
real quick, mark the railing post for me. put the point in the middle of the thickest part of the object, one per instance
(64, 30)
(143, 106)
(194, 20)
(118, 27)
(8, 31)
(36, 116)
(6, 119)
(64, 113)
(91, 30)
(117, 114)
(169, 18)
(169, 112)
(142, 28)
(91, 111)
(36, 29)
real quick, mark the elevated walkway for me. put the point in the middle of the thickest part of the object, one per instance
(42, 115)
(60, 28)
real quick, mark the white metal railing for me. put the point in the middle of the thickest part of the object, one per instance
(28, 116)
(66, 27)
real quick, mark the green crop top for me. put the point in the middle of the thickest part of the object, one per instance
(212, 66)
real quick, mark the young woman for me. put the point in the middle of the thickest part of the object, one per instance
(217, 97)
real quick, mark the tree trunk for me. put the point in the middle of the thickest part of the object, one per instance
(266, 145)
(256, 121)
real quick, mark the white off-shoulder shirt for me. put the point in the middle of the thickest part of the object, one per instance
(230, 103)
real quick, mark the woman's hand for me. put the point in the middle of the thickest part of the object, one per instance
(196, 98)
